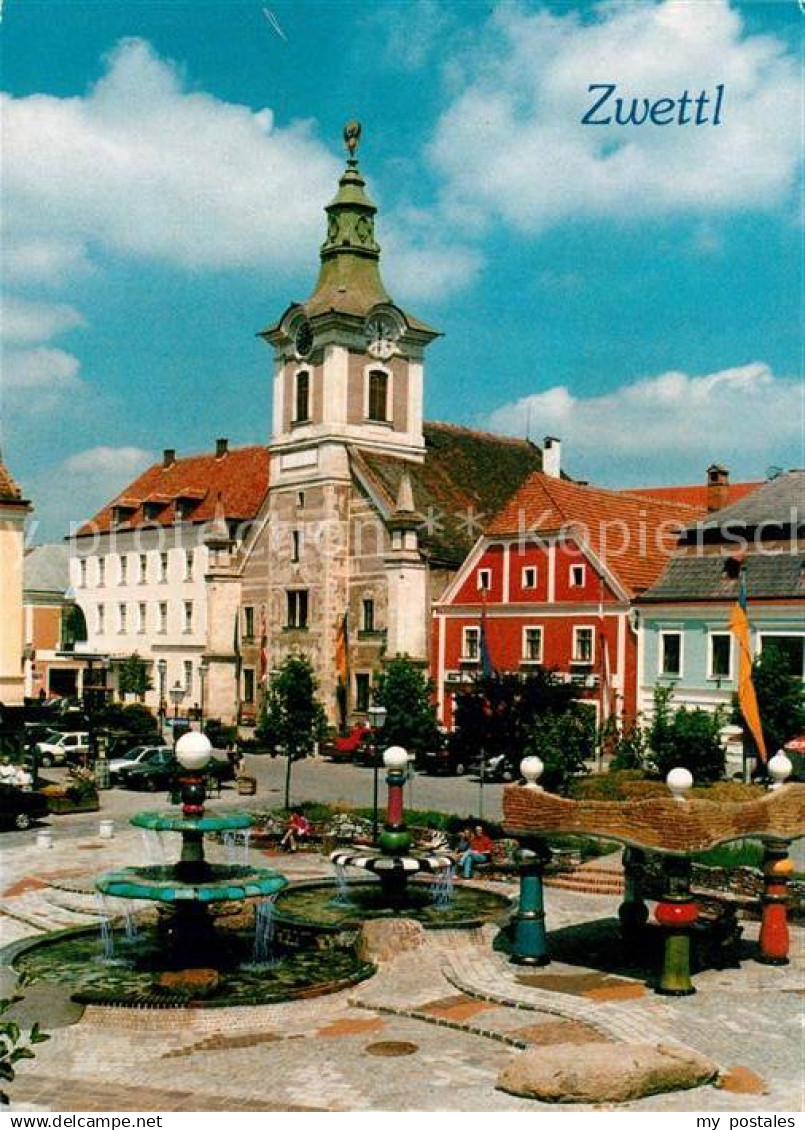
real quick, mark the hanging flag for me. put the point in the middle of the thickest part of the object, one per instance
(263, 647)
(236, 649)
(747, 699)
(483, 645)
(342, 669)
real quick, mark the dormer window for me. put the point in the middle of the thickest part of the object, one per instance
(302, 398)
(378, 396)
(122, 512)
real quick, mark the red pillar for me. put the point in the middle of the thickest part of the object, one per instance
(774, 937)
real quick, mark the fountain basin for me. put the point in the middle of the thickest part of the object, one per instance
(175, 822)
(319, 903)
(220, 883)
(71, 957)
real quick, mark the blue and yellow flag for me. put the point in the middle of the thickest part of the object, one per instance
(747, 699)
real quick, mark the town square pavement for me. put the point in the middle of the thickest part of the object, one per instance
(430, 1031)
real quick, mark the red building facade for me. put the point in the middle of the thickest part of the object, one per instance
(551, 584)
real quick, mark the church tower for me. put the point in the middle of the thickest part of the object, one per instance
(348, 375)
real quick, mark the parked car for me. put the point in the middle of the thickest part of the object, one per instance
(446, 762)
(162, 770)
(19, 808)
(138, 755)
(346, 747)
(62, 748)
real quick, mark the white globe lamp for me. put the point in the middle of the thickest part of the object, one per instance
(779, 768)
(531, 768)
(193, 750)
(680, 782)
(395, 757)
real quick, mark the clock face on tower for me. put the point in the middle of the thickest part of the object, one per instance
(303, 339)
(382, 332)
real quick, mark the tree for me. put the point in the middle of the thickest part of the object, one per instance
(627, 744)
(780, 698)
(134, 718)
(407, 694)
(688, 738)
(292, 719)
(14, 1044)
(498, 714)
(563, 741)
(132, 677)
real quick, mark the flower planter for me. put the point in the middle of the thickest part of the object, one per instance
(247, 786)
(60, 805)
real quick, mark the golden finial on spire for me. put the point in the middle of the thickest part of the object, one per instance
(352, 135)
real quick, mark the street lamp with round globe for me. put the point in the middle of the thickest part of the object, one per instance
(193, 751)
(395, 757)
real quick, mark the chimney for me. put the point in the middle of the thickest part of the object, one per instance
(221, 447)
(552, 457)
(718, 487)
(168, 456)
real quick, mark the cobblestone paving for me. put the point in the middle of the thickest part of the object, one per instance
(456, 1000)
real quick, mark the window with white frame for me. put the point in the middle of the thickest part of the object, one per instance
(142, 618)
(163, 567)
(122, 618)
(470, 643)
(188, 615)
(578, 575)
(163, 617)
(188, 564)
(532, 644)
(720, 665)
(583, 645)
(790, 648)
(124, 569)
(143, 568)
(529, 577)
(82, 572)
(101, 620)
(188, 676)
(101, 571)
(484, 580)
(671, 653)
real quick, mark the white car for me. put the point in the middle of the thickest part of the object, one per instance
(138, 755)
(57, 750)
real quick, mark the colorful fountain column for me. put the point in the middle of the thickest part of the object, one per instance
(774, 938)
(395, 839)
(529, 941)
(677, 911)
(633, 912)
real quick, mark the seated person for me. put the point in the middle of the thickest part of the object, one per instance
(23, 778)
(8, 772)
(479, 850)
(297, 828)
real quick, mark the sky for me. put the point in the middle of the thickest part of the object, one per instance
(635, 290)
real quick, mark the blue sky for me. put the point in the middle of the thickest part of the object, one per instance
(635, 290)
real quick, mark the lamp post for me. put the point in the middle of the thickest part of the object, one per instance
(377, 718)
(203, 668)
(177, 693)
(162, 668)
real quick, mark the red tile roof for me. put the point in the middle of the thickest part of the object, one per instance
(9, 491)
(240, 477)
(693, 495)
(632, 536)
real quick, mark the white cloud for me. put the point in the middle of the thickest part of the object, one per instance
(119, 462)
(40, 371)
(26, 323)
(142, 165)
(420, 264)
(511, 144)
(672, 424)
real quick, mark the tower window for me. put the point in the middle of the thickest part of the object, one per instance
(302, 398)
(296, 540)
(378, 396)
(368, 616)
(363, 689)
(297, 608)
